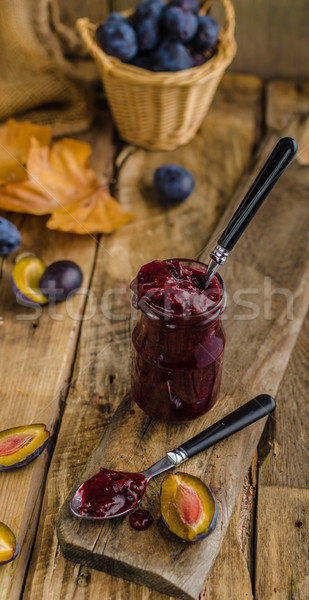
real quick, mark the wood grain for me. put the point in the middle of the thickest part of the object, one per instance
(101, 372)
(38, 348)
(166, 565)
(283, 497)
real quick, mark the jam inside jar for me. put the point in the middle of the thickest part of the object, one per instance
(178, 340)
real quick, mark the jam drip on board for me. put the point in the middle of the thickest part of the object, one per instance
(141, 520)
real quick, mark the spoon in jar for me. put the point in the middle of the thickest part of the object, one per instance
(110, 494)
(275, 165)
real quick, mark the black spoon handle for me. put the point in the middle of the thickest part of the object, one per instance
(276, 164)
(250, 412)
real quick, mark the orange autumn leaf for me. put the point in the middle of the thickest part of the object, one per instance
(14, 147)
(100, 213)
(60, 181)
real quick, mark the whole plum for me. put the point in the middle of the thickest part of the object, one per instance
(173, 183)
(171, 56)
(117, 37)
(207, 33)
(148, 33)
(9, 237)
(179, 25)
(149, 8)
(186, 5)
(60, 279)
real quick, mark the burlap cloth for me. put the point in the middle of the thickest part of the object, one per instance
(45, 73)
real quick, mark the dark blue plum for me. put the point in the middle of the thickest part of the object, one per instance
(60, 279)
(116, 17)
(142, 60)
(207, 33)
(171, 56)
(117, 38)
(186, 5)
(149, 8)
(9, 237)
(180, 26)
(173, 183)
(148, 33)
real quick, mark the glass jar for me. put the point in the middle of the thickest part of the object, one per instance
(177, 359)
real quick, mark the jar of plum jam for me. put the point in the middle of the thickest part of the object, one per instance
(178, 340)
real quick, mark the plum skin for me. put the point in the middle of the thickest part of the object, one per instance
(66, 276)
(173, 183)
(4, 529)
(9, 237)
(206, 35)
(117, 38)
(180, 26)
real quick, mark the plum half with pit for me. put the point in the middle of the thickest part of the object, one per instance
(61, 279)
(25, 280)
(173, 183)
(8, 544)
(179, 25)
(117, 38)
(188, 507)
(21, 445)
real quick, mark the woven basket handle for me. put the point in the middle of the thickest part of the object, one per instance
(87, 31)
(229, 13)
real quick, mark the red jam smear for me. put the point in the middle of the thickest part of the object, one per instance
(175, 288)
(141, 520)
(110, 493)
(178, 340)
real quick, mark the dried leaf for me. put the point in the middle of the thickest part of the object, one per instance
(14, 147)
(100, 213)
(61, 182)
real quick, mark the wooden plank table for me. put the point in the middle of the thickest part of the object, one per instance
(71, 369)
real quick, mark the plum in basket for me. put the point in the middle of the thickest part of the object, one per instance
(117, 37)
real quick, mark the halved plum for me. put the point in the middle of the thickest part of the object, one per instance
(20, 445)
(188, 507)
(25, 280)
(8, 544)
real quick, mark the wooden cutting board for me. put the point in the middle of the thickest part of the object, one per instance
(269, 269)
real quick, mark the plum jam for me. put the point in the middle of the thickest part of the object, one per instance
(178, 340)
(141, 520)
(110, 493)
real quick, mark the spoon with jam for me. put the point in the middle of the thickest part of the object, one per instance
(111, 493)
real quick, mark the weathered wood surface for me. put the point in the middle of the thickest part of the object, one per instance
(99, 385)
(283, 494)
(101, 374)
(37, 354)
(255, 365)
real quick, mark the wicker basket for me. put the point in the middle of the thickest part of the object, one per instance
(161, 111)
